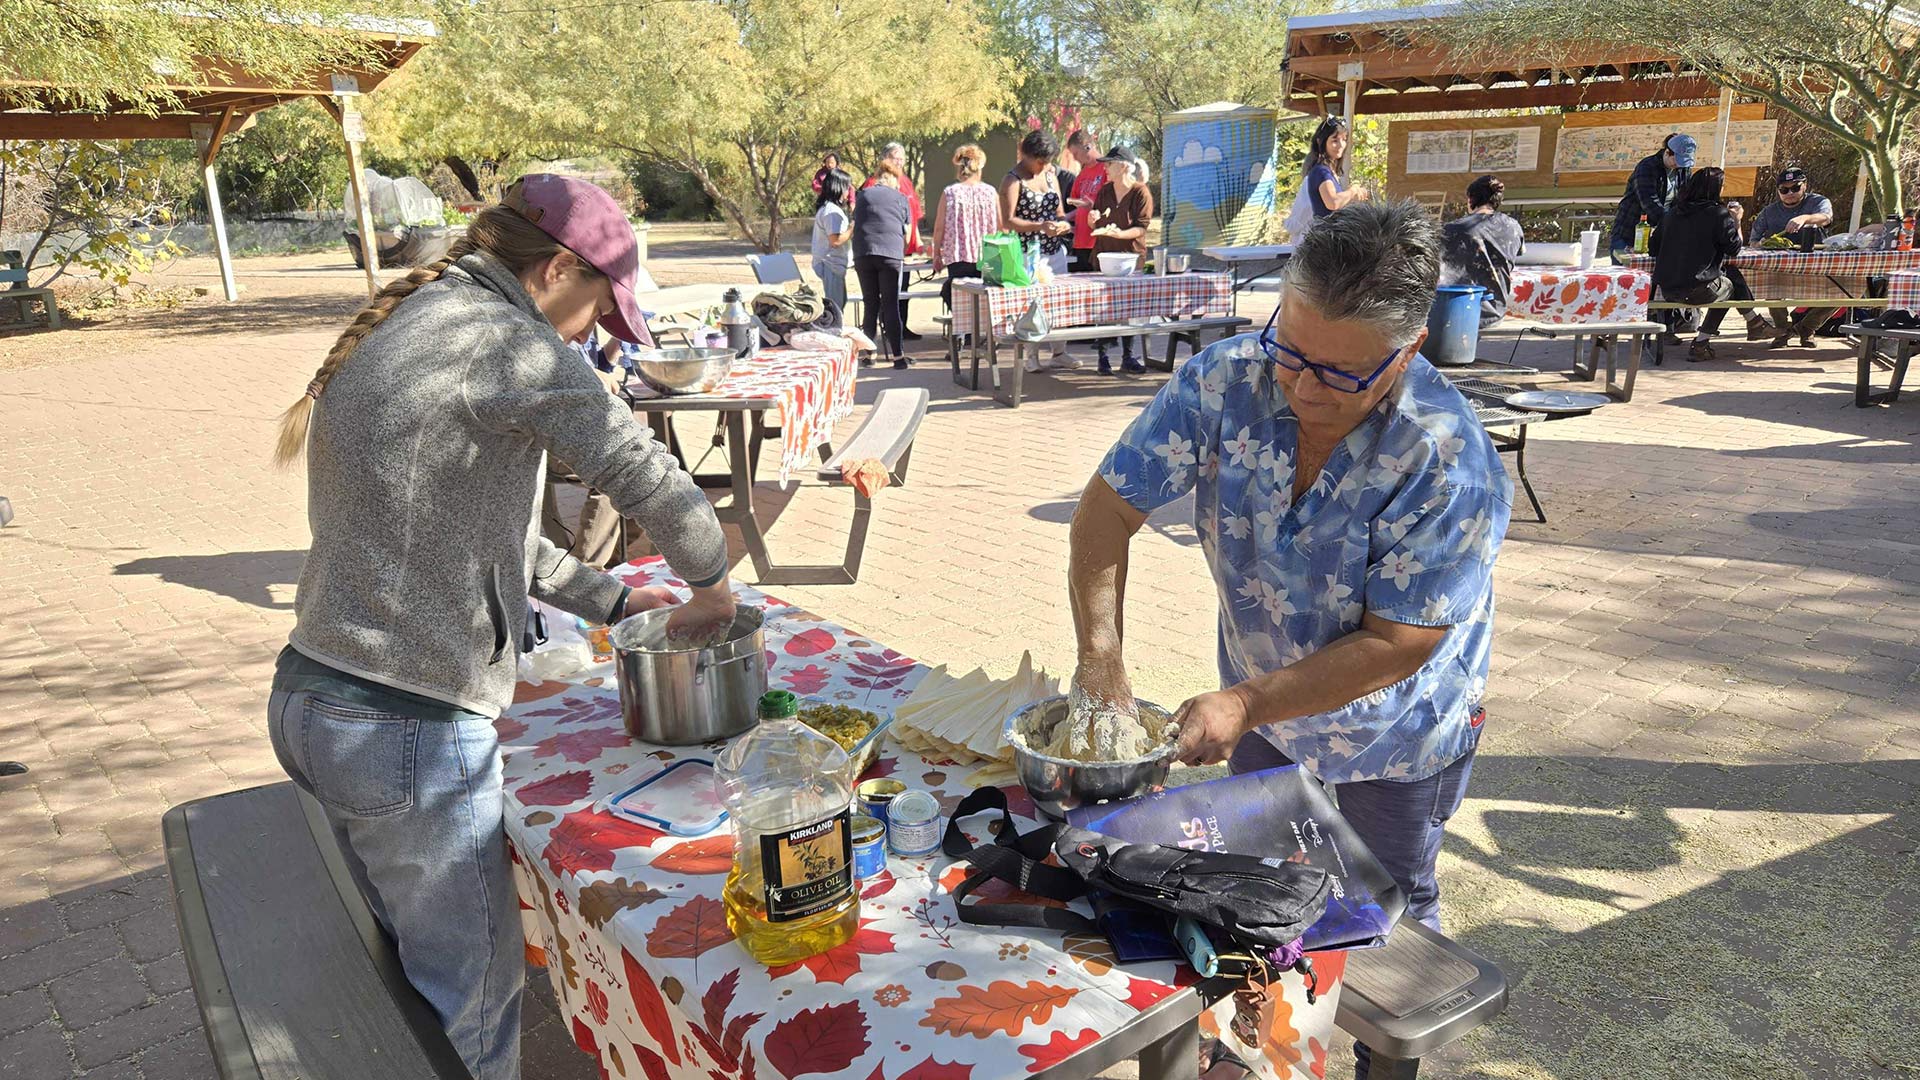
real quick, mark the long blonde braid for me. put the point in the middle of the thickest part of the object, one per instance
(499, 231)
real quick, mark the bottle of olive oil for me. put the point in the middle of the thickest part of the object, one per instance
(788, 790)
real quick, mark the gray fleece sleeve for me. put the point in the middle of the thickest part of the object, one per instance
(573, 586)
(545, 391)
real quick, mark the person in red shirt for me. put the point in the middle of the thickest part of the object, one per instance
(1086, 188)
(893, 161)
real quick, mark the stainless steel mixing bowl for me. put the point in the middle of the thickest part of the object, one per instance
(684, 371)
(1059, 784)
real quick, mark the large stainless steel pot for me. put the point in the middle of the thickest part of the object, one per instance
(681, 697)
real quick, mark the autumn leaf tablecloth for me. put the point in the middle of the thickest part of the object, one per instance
(810, 384)
(1569, 295)
(629, 923)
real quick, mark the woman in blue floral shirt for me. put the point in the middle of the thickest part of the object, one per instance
(1350, 506)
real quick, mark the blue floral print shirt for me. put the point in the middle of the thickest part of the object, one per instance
(1403, 521)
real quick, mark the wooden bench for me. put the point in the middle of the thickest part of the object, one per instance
(886, 436)
(1837, 303)
(1189, 331)
(1413, 995)
(22, 300)
(1604, 338)
(1870, 357)
(295, 978)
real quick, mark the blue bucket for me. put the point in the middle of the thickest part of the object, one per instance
(1453, 326)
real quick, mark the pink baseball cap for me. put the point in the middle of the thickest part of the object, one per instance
(586, 221)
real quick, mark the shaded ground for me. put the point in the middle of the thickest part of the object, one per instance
(1690, 838)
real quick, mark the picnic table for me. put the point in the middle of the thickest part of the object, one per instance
(794, 394)
(1569, 294)
(629, 923)
(1781, 276)
(1079, 306)
(1248, 263)
(1903, 290)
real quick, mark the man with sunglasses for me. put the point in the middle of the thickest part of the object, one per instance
(1798, 207)
(1349, 505)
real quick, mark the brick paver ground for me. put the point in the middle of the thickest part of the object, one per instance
(1691, 834)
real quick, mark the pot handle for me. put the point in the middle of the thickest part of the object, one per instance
(701, 665)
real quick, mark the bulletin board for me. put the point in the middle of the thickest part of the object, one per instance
(1543, 153)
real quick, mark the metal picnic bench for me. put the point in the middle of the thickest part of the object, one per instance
(1178, 331)
(295, 978)
(1870, 357)
(1604, 340)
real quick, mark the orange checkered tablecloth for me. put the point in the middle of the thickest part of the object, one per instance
(1094, 300)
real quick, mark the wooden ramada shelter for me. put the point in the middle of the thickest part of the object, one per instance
(216, 99)
(1398, 62)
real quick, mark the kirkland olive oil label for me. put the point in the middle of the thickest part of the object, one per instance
(808, 869)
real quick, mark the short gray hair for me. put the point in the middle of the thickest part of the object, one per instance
(1374, 263)
(891, 149)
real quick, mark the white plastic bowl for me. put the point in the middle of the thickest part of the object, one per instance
(1118, 263)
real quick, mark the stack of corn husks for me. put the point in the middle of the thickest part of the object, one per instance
(961, 719)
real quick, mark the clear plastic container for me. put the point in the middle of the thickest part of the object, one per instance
(788, 790)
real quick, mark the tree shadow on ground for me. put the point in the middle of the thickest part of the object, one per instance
(246, 576)
(1801, 965)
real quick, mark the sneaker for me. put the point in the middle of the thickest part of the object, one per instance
(899, 363)
(1700, 352)
(910, 335)
(1065, 362)
(1033, 365)
(1132, 366)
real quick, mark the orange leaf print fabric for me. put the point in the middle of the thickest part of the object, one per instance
(1001, 1008)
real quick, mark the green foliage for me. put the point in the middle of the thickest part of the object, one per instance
(1851, 69)
(291, 158)
(101, 205)
(1148, 59)
(94, 53)
(742, 97)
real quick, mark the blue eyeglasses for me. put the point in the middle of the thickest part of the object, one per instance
(1332, 378)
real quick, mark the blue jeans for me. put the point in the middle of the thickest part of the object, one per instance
(413, 792)
(1401, 823)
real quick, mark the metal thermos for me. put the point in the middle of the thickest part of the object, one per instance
(743, 336)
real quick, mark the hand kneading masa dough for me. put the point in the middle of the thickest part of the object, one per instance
(1094, 729)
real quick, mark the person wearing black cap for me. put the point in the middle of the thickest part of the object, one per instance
(1120, 216)
(1798, 208)
(1651, 190)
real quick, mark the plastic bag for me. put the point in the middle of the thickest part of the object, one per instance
(1002, 262)
(1300, 216)
(1034, 325)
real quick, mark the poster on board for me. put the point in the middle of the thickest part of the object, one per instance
(1497, 150)
(1437, 151)
(1620, 148)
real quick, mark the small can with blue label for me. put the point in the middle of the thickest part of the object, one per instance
(869, 847)
(875, 796)
(913, 825)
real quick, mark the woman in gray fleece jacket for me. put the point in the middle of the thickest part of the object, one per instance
(425, 432)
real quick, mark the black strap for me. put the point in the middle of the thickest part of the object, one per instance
(1016, 860)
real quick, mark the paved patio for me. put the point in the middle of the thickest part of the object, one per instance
(1691, 835)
